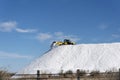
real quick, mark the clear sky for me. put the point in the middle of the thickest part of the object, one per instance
(27, 27)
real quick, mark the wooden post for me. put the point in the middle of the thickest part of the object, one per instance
(78, 74)
(38, 75)
(119, 74)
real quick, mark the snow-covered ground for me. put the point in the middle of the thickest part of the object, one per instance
(90, 57)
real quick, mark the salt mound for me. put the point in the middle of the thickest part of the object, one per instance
(90, 57)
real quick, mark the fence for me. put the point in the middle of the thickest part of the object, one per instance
(79, 75)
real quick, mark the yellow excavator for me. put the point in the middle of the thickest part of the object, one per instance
(65, 42)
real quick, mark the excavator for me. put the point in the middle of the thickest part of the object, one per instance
(60, 43)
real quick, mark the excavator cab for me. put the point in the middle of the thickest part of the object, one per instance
(68, 42)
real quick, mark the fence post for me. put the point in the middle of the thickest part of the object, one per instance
(119, 73)
(78, 74)
(38, 75)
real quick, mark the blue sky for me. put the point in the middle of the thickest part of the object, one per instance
(27, 27)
